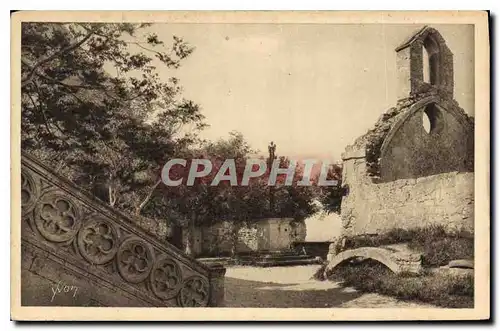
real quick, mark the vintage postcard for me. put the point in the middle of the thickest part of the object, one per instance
(250, 166)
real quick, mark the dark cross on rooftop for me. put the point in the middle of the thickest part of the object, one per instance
(270, 160)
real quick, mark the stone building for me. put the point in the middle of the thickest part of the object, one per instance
(415, 166)
(270, 234)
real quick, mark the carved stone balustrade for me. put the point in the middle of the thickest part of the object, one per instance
(78, 251)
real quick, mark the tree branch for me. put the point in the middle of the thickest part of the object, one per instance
(111, 191)
(43, 114)
(161, 56)
(51, 57)
(46, 119)
(145, 48)
(58, 82)
(148, 197)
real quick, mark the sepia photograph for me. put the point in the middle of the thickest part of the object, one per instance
(250, 161)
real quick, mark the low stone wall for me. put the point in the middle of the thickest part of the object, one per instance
(444, 199)
(313, 248)
(250, 238)
(221, 238)
(77, 251)
(216, 239)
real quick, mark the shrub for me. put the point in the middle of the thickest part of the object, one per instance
(320, 273)
(440, 252)
(438, 247)
(452, 291)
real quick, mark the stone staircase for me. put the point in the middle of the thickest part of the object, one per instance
(276, 258)
(71, 240)
(263, 259)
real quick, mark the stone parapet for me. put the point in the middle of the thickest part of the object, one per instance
(72, 239)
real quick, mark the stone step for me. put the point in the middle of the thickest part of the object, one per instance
(270, 261)
(214, 259)
(465, 264)
(277, 258)
(285, 263)
(273, 253)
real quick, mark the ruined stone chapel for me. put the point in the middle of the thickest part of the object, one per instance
(415, 166)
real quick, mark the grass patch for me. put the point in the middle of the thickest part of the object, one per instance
(438, 246)
(445, 290)
(320, 273)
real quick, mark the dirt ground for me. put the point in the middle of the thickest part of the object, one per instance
(287, 287)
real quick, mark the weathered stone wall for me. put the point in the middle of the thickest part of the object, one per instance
(92, 255)
(221, 238)
(251, 238)
(217, 239)
(410, 64)
(446, 199)
(400, 175)
(411, 152)
(299, 231)
(266, 234)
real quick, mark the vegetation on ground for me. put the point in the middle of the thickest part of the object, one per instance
(438, 248)
(444, 290)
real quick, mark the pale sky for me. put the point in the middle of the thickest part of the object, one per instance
(310, 88)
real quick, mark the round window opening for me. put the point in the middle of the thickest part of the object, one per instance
(432, 119)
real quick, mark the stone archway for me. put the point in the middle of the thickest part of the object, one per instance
(396, 261)
(410, 151)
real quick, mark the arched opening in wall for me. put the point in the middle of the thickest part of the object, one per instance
(425, 65)
(432, 119)
(430, 58)
(426, 122)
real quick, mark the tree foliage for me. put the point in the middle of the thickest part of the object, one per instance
(96, 109)
(331, 196)
(207, 204)
(99, 112)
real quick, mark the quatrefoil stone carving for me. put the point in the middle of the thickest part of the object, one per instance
(57, 217)
(166, 278)
(29, 192)
(98, 241)
(194, 292)
(134, 260)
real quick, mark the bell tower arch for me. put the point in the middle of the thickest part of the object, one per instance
(424, 63)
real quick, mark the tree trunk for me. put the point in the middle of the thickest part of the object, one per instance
(189, 242)
(190, 236)
(112, 198)
(234, 239)
(147, 198)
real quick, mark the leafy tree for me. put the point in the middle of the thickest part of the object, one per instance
(294, 201)
(95, 108)
(201, 203)
(331, 196)
(204, 204)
